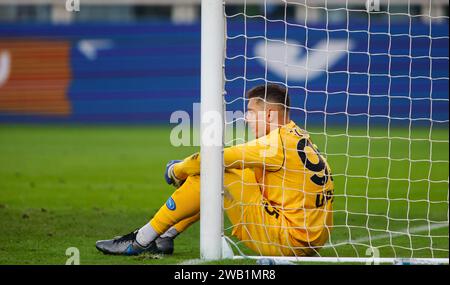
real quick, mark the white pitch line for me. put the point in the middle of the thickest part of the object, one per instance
(402, 232)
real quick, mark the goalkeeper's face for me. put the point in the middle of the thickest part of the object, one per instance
(261, 117)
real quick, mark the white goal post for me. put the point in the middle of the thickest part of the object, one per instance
(370, 91)
(211, 129)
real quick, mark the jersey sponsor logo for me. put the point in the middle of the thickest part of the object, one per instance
(170, 204)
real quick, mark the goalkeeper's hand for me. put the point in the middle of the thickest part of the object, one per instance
(169, 175)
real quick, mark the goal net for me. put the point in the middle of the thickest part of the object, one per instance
(369, 82)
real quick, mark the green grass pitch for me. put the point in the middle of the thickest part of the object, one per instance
(68, 186)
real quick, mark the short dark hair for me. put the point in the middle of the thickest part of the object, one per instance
(272, 93)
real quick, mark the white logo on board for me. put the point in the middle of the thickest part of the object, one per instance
(289, 59)
(90, 48)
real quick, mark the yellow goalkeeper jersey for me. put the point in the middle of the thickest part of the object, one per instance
(293, 177)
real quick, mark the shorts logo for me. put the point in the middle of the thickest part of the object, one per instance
(171, 204)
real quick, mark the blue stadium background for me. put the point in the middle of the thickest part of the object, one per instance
(153, 69)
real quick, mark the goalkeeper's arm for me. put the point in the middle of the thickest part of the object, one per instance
(256, 153)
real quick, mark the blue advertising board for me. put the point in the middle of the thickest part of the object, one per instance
(141, 73)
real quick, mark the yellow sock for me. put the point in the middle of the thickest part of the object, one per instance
(182, 207)
(182, 225)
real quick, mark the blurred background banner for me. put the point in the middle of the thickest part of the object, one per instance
(98, 73)
(128, 71)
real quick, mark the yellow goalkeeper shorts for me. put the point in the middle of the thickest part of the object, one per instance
(255, 222)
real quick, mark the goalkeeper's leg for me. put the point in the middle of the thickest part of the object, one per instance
(165, 242)
(255, 222)
(181, 210)
(183, 207)
(182, 225)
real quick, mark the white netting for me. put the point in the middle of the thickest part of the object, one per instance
(371, 89)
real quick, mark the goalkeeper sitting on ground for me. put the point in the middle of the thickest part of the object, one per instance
(278, 189)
